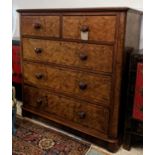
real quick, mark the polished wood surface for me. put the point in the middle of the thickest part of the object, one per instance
(41, 25)
(88, 56)
(73, 61)
(85, 114)
(119, 59)
(99, 27)
(84, 85)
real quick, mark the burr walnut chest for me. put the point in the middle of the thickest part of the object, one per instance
(72, 65)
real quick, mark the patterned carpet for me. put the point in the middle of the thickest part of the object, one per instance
(33, 139)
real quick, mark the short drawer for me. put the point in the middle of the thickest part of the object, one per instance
(99, 28)
(68, 109)
(87, 56)
(40, 26)
(80, 84)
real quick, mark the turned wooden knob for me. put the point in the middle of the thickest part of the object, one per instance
(82, 85)
(84, 28)
(81, 114)
(37, 25)
(83, 56)
(39, 75)
(38, 50)
(39, 101)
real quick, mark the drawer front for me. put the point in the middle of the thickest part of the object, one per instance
(84, 114)
(99, 28)
(80, 84)
(40, 25)
(87, 56)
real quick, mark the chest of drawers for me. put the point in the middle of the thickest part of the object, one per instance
(72, 64)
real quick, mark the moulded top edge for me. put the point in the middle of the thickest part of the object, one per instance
(58, 10)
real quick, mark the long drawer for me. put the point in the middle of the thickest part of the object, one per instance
(87, 56)
(40, 26)
(82, 113)
(81, 84)
(99, 28)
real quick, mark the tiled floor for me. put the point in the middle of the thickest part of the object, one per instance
(94, 150)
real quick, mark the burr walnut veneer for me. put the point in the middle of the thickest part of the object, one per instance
(72, 64)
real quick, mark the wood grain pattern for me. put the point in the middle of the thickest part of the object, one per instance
(95, 117)
(101, 28)
(99, 57)
(78, 83)
(117, 81)
(49, 25)
(98, 87)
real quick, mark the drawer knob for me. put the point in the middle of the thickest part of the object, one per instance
(37, 25)
(81, 114)
(39, 102)
(39, 75)
(83, 56)
(82, 85)
(84, 28)
(38, 50)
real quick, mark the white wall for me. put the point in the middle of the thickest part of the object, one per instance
(137, 4)
(33, 4)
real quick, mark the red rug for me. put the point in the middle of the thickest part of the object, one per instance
(34, 139)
